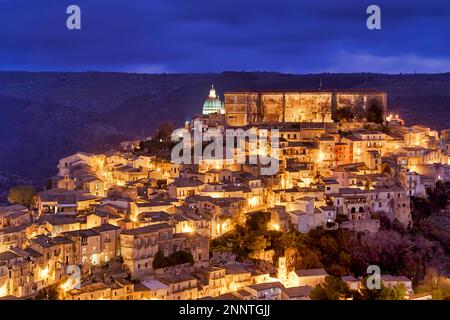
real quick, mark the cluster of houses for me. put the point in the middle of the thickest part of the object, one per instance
(122, 211)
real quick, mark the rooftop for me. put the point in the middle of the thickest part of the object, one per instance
(266, 286)
(311, 272)
(147, 229)
(154, 284)
(297, 292)
(171, 279)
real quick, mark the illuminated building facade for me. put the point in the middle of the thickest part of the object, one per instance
(253, 107)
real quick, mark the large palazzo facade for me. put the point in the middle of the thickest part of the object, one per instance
(253, 107)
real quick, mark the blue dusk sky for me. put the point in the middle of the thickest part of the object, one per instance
(294, 36)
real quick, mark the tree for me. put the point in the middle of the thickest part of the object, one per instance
(437, 227)
(435, 284)
(387, 170)
(181, 257)
(49, 293)
(291, 239)
(161, 183)
(161, 143)
(392, 251)
(332, 289)
(164, 132)
(375, 112)
(385, 129)
(308, 259)
(438, 197)
(23, 195)
(343, 114)
(421, 209)
(178, 257)
(255, 243)
(258, 221)
(159, 261)
(398, 292)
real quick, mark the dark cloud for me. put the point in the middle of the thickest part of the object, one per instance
(211, 36)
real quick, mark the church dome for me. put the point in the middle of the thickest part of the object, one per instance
(213, 103)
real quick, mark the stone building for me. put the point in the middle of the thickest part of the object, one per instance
(271, 106)
(139, 247)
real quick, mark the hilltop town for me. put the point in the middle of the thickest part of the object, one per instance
(135, 225)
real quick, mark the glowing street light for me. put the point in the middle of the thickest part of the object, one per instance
(275, 226)
(253, 201)
(187, 229)
(43, 273)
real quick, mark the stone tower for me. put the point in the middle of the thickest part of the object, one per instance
(282, 273)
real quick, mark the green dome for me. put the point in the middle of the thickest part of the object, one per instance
(213, 103)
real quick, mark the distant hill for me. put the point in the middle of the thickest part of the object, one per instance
(49, 115)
